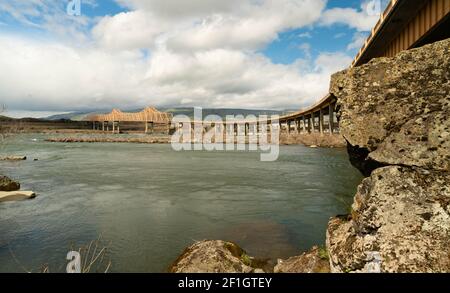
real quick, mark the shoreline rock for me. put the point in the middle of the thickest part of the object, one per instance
(215, 256)
(314, 261)
(395, 116)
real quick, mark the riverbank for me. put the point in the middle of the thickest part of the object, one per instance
(110, 139)
(314, 139)
(310, 140)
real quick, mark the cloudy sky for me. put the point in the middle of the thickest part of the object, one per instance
(254, 54)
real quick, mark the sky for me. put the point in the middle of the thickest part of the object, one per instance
(128, 54)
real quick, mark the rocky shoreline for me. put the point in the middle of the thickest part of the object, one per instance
(394, 114)
(217, 256)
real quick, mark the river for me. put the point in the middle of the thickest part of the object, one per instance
(149, 202)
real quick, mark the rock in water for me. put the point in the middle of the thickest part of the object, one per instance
(401, 215)
(6, 184)
(16, 195)
(213, 257)
(314, 261)
(395, 115)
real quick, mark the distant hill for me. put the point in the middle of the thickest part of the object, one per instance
(77, 116)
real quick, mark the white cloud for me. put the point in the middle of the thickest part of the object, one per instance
(203, 24)
(362, 20)
(166, 53)
(306, 35)
(51, 76)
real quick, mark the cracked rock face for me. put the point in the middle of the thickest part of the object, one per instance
(395, 116)
(398, 109)
(401, 214)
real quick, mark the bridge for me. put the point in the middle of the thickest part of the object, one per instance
(148, 117)
(404, 24)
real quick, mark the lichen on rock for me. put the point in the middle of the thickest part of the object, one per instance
(314, 261)
(395, 116)
(398, 109)
(215, 257)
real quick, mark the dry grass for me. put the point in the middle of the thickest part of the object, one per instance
(94, 259)
(314, 139)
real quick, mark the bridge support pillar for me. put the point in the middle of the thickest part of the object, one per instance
(304, 124)
(93, 125)
(331, 118)
(288, 126)
(321, 121)
(311, 123)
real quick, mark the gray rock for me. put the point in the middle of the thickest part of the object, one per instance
(398, 109)
(6, 184)
(214, 257)
(313, 261)
(401, 215)
(395, 115)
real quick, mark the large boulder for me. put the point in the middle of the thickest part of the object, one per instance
(395, 115)
(6, 184)
(215, 257)
(397, 110)
(400, 218)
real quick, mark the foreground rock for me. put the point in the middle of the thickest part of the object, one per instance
(396, 110)
(16, 195)
(314, 261)
(215, 257)
(6, 184)
(395, 115)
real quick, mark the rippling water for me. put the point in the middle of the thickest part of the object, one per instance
(150, 202)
